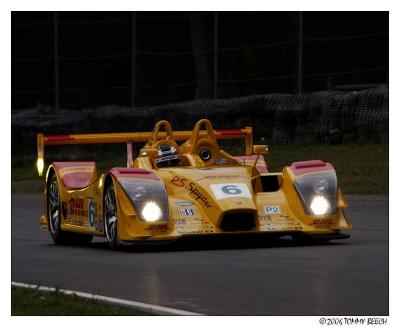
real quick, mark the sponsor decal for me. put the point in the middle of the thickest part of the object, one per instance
(198, 195)
(75, 207)
(292, 225)
(186, 212)
(194, 191)
(222, 191)
(201, 229)
(272, 210)
(279, 222)
(278, 218)
(158, 227)
(178, 181)
(265, 218)
(166, 158)
(322, 222)
(184, 203)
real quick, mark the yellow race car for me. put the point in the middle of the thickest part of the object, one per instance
(172, 190)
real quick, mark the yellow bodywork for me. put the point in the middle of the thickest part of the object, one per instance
(200, 194)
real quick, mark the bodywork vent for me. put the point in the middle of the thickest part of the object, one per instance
(235, 222)
(270, 183)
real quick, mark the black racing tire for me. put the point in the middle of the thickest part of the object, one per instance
(54, 217)
(110, 217)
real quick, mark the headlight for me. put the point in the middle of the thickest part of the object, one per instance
(317, 192)
(148, 198)
(319, 205)
(151, 211)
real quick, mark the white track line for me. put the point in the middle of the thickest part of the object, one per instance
(145, 307)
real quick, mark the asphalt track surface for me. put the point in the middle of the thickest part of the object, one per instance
(346, 277)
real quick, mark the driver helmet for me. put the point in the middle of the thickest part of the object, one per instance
(167, 156)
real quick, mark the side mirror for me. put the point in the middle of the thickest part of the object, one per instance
(151, 153)
(260, 149)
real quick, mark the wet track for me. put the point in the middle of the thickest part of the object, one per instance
(346, 277)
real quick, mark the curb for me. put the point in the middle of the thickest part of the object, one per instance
(144, 307)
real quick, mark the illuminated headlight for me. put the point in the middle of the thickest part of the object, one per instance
(317, 192)
(151, 211)
(319, 205)
(148, 198)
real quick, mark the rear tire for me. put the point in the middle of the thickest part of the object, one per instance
(110, 218)
(54, 218)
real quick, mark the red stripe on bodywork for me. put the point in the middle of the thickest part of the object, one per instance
(60, 165)
(120, 172)
(58, 137)
(304, 167)
(230, 131)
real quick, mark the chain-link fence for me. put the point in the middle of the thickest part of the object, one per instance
(314, 118)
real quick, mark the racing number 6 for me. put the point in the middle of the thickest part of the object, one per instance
(231, 189)
(91, 213)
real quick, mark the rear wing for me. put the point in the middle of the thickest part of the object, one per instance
(131, 138)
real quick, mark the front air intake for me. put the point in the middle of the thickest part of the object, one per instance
(237, 222)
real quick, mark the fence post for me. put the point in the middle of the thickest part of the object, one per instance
(300, 56)
(215, 55)
(133, 59)
(56, 99)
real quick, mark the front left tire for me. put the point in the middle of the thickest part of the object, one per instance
(54, 218)
(111, 217)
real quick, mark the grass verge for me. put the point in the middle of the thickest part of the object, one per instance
(361, 168)
(32, 302)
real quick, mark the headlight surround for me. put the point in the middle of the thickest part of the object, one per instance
(148, 197)
(318, 192)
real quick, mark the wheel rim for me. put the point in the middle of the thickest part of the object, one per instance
(54, 207)
(110, 219)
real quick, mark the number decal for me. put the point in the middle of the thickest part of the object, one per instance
(91, 212)
(231, 189)
(272, 209)
(222, 191)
